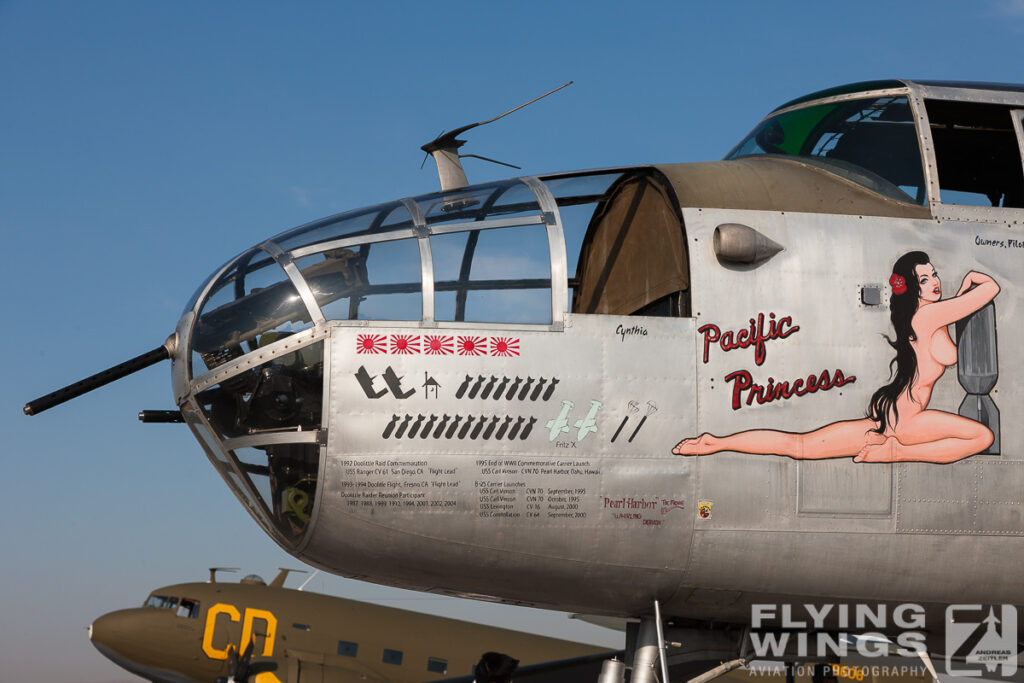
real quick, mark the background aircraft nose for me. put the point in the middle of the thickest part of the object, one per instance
(130, 634)
(146, 641)
(113, 630)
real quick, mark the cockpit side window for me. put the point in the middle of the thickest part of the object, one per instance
(872, 142)
(977, 154)
(188, 608)
(498, 275)
(376, 281)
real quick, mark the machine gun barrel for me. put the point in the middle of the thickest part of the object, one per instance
(161, 416)
(98, 380)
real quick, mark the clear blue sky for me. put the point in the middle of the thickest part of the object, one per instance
(142, 144)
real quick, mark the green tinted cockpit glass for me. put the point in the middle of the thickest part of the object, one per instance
(872, 142)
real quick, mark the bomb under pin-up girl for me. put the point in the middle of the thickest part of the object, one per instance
(899, 426)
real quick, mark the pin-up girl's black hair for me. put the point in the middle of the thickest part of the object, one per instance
(903, 368)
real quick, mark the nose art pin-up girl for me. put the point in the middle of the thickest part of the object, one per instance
(899, 426)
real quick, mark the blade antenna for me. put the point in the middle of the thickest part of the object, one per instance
(539, 97)
(214, 570)
(445, 148)
(493, 161)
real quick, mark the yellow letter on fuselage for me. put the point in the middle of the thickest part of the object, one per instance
(271, 631)
(211, 623)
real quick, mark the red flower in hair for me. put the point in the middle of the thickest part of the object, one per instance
(898, 284)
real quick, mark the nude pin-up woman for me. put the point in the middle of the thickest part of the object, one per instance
(899, 426)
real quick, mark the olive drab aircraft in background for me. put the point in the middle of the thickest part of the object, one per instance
(251, 631)
(670, 392)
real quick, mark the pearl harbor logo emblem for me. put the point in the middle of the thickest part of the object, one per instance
(981, 641)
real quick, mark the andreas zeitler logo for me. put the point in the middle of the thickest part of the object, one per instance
(981, 640)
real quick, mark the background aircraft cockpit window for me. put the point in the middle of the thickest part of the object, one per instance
(285, 476)
(376, 281)
(347, 648)
(872, 142)
(361, 222)
(252, 299)
(437, 665)
(499, 275)
(977, 154)
(188, 609)
(161, 602)
(392, 657)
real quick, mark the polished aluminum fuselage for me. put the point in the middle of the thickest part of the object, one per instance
(532, 464)
(595, 525)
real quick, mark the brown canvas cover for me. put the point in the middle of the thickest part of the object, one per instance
(634, 252)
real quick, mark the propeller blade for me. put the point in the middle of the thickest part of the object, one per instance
(243, 662)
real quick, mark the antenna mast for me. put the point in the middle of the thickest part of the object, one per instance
(445, 149)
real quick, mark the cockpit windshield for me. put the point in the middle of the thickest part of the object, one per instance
(184, 607)
(161, 602)
(871, 142)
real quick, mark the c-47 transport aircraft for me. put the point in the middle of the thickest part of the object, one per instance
(678, 392)
(271, 634)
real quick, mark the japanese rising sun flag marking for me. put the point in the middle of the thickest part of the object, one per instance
(504, 346)
(437, 345)
(371, 343)
(405, 344)
(472, 346)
